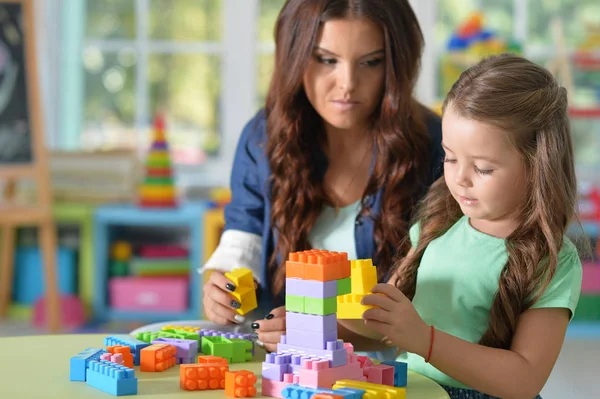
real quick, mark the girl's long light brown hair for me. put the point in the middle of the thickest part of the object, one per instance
(524, 99)
(295, 131)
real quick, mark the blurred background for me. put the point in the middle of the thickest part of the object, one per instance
(115, 77)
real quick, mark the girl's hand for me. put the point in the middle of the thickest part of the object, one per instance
(270, 329)
(219, 305)
(395, 317)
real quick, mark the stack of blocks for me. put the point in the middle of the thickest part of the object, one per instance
(245, 292)
(321, 285)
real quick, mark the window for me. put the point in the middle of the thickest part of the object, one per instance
(269, 10)
(147, 56)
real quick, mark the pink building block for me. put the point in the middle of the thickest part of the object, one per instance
(380, 374)
(116, 358)
(318, 374)
(273, 388)
(149, 293)
(163, 251)
(591, 278)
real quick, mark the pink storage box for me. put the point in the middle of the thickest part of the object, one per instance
(591, 278)
(149, 293)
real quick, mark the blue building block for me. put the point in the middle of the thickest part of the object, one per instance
(79, 363)
(400, 372)
(127, 340)
(295, 391)
(112, 378)
(28, 278)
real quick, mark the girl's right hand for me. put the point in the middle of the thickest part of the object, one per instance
(219, 305)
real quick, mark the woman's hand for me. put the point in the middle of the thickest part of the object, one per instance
(270, 329)
(395, 317)
(219, 305)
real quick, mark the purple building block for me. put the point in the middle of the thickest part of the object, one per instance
(311, 288)
(186, 349)
(310, 339)
(275, 366)
(311, 322)
(335, 352)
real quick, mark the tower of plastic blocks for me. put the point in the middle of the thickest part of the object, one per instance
(310, 353)
(158, 188)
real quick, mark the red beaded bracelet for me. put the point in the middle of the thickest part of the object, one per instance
(430, 344)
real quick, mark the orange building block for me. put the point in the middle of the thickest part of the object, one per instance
(205, 359)
(157, 357)
(318, 265)
(240, 384)
(321, 395)
(125, 351)
(198, 377)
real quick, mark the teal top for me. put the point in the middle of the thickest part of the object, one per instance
(458, 278)
(336, 232)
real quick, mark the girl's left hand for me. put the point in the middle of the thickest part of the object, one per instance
(395, 317)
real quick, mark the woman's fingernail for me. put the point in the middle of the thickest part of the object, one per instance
(238, 318)
(270, 316)
(230, 287)
(255, 326)
(236, 304)
(260, 343)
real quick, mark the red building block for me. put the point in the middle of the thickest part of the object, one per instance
(240, 384)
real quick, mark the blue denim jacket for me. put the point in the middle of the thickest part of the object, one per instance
(250, 206)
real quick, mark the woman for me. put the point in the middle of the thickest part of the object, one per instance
(337, 159)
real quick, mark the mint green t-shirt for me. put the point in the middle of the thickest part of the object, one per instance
(458, 278)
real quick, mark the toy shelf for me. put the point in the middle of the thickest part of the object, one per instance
(112, 217)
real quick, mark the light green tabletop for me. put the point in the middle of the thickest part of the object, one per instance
(38, 367)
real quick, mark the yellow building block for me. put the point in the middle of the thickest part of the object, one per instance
(157, 192)
(349, 307)
(373, 391)
(244, 292)
(241, 277)
(183, 328)
(363, 276)
(159, 156)
(247, 297)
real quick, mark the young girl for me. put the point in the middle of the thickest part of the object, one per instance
(483, 299)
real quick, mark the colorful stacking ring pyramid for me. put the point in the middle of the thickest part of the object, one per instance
(158, 188)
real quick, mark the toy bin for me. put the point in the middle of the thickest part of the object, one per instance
(149, 294)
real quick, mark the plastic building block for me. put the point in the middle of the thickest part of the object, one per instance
(228, 335)
(135, 344)
(244, 293)
(323, 395)
(373, 391)
(400, 372)
(272, 388)
(349, 306)
(240, 384)
(158, 357)
(206, 359)
(312, 288)
(186, 349)
(124, 351)
(79, 363)
(344, 286)
(319, 374)
(184, 333)
(308, 322)
(246, 296)
(318, 265)
(294, 303)
(149, 336)
(198, 377)
(336, 353)
(318, 306)
(293, 391)
(364, 276)
(233, 349)
(275, 366)
(310, 339)
(172, 328)
(112, 378)
(380, 374)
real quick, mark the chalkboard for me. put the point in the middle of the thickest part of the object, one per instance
(15, 123)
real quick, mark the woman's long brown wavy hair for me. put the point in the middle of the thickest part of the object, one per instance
(523, 99)
(295, 131)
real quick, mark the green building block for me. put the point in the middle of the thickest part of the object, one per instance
(295, 303)
(233, 349)
(150, 336)
(344, 286)
(185, 334)
(320, 306)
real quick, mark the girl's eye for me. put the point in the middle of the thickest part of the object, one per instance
(448, 160)
(484, 172)
(326, 61)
